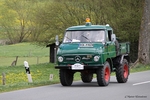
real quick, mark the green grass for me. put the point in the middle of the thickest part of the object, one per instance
(7, 61)
(25, 51)
(139, 68)
(16, 77)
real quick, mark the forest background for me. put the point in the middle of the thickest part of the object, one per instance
(40, 21)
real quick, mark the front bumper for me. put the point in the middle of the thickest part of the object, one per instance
(85, 67)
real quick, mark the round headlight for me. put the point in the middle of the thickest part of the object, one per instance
(60, 59)
(96, 58)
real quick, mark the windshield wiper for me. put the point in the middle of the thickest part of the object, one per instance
(68, 38)
(86, 38)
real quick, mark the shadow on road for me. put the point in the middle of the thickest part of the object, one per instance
(91, 84)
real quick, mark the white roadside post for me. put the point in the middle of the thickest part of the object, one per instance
(51, 77)
(26, 65)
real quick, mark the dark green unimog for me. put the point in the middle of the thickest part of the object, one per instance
(92, 49)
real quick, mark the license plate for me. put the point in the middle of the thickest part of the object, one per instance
(77, 66)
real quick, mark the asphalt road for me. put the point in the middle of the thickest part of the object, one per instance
(137, 88)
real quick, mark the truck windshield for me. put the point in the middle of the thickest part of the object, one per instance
(84, 36)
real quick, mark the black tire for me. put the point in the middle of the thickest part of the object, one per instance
(86, 77)
(122, 72)
(66, 77)
(103, 75)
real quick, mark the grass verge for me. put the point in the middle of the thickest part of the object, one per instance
(16, 77)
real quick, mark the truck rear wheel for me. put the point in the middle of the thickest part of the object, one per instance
(86, 77)
(66, 77)
(103, 75)
(122, 72)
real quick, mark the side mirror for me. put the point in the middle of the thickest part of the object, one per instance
(113, 37)
(57, 40)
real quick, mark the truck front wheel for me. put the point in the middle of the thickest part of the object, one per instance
(122, 72)
(103, 75)
(66, 77)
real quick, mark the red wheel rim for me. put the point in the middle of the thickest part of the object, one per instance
(125, 71)
(107, 74)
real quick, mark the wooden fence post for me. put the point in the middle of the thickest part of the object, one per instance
(3, 78)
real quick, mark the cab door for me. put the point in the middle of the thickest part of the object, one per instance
(110, 45)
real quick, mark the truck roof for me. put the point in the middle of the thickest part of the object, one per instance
(88, 26)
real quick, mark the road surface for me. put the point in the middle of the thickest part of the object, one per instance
(137, 88)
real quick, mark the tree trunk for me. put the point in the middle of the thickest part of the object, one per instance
(144, 37)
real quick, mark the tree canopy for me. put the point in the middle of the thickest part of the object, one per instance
(41, 20)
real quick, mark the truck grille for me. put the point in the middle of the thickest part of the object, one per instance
(78, 58)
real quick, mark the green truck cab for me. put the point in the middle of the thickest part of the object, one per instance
(92, 49)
